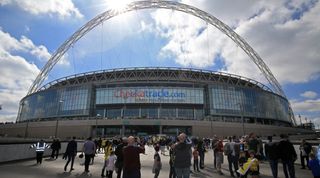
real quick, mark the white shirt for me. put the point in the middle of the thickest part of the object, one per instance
(111, 160)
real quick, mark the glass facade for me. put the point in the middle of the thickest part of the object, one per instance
(232, 100)
(217, 102)
(71, 101)
(152, 112)
(133, 95)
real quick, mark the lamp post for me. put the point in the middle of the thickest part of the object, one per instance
(242, 118)
(57, 121)
(96, 128)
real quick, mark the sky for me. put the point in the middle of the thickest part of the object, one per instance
(285, 33)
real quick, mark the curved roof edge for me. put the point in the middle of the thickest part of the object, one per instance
(98, 76)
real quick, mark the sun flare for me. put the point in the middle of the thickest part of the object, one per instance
(117, 4)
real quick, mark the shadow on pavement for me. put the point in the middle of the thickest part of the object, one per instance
(64, 174)
(83, 175)
(33, 165)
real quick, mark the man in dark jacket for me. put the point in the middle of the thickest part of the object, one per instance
(288, 156)
(55, 146)
(118, 152)
(305, 150)
(71, 152)
(272, 154)
(131, 158)
(201, 149)
(182, 152)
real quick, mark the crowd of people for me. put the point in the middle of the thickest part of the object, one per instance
(243, 154)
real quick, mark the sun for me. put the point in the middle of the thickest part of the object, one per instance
(117, 4)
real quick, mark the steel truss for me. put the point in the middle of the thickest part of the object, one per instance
(138, 5)
(149, 74)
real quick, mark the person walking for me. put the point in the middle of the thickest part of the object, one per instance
(287, 155)
(70, 153)
(107, 153)
(254, 144)
(119, 153)
(201, 149)
(131, 158)
(272, 155)
(172, 172)
(55, 146)
(314, 165)
(157, 165)
(182, 153)
(230, 152)
(219, 156)
(88, 149)
(40, 147)
(214, 149)
(235, 148)
(111, 164)
(195, 154)
(305, 150)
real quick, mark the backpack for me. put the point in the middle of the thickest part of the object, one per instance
(227, 149)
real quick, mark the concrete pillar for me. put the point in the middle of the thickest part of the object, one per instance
(160, 129)
(123, 129)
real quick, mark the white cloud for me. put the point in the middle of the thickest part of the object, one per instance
(309, 109)
(16, 73)
(309, 94)
(8, 43)
(189, 45)
(310, 105)
(16, 76)
(316, 121)
(289, 46)
(64, 8)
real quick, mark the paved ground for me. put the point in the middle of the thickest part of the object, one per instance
(49, 168)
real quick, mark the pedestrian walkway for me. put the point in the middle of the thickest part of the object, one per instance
(54, 168)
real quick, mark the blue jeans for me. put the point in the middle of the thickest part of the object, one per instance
(288, 166)
(274, 167)
(183, 172)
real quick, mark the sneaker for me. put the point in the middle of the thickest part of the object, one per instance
(71, 169)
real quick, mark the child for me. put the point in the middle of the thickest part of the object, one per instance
(254, 168)
(157, 165)
(195, 154)
(250, 167)
(314, 166)
(107, 153)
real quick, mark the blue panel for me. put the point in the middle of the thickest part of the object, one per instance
(232, 100)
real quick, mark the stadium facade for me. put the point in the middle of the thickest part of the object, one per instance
(150, 101)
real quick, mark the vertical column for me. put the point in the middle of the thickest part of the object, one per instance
(56, 129)
(122, 131)
(160, 129)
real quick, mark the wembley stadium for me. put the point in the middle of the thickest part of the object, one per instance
(151, 101)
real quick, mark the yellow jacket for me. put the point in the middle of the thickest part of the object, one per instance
(107, 151)
(254, 165)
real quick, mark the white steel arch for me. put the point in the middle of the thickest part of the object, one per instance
(138, 5)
